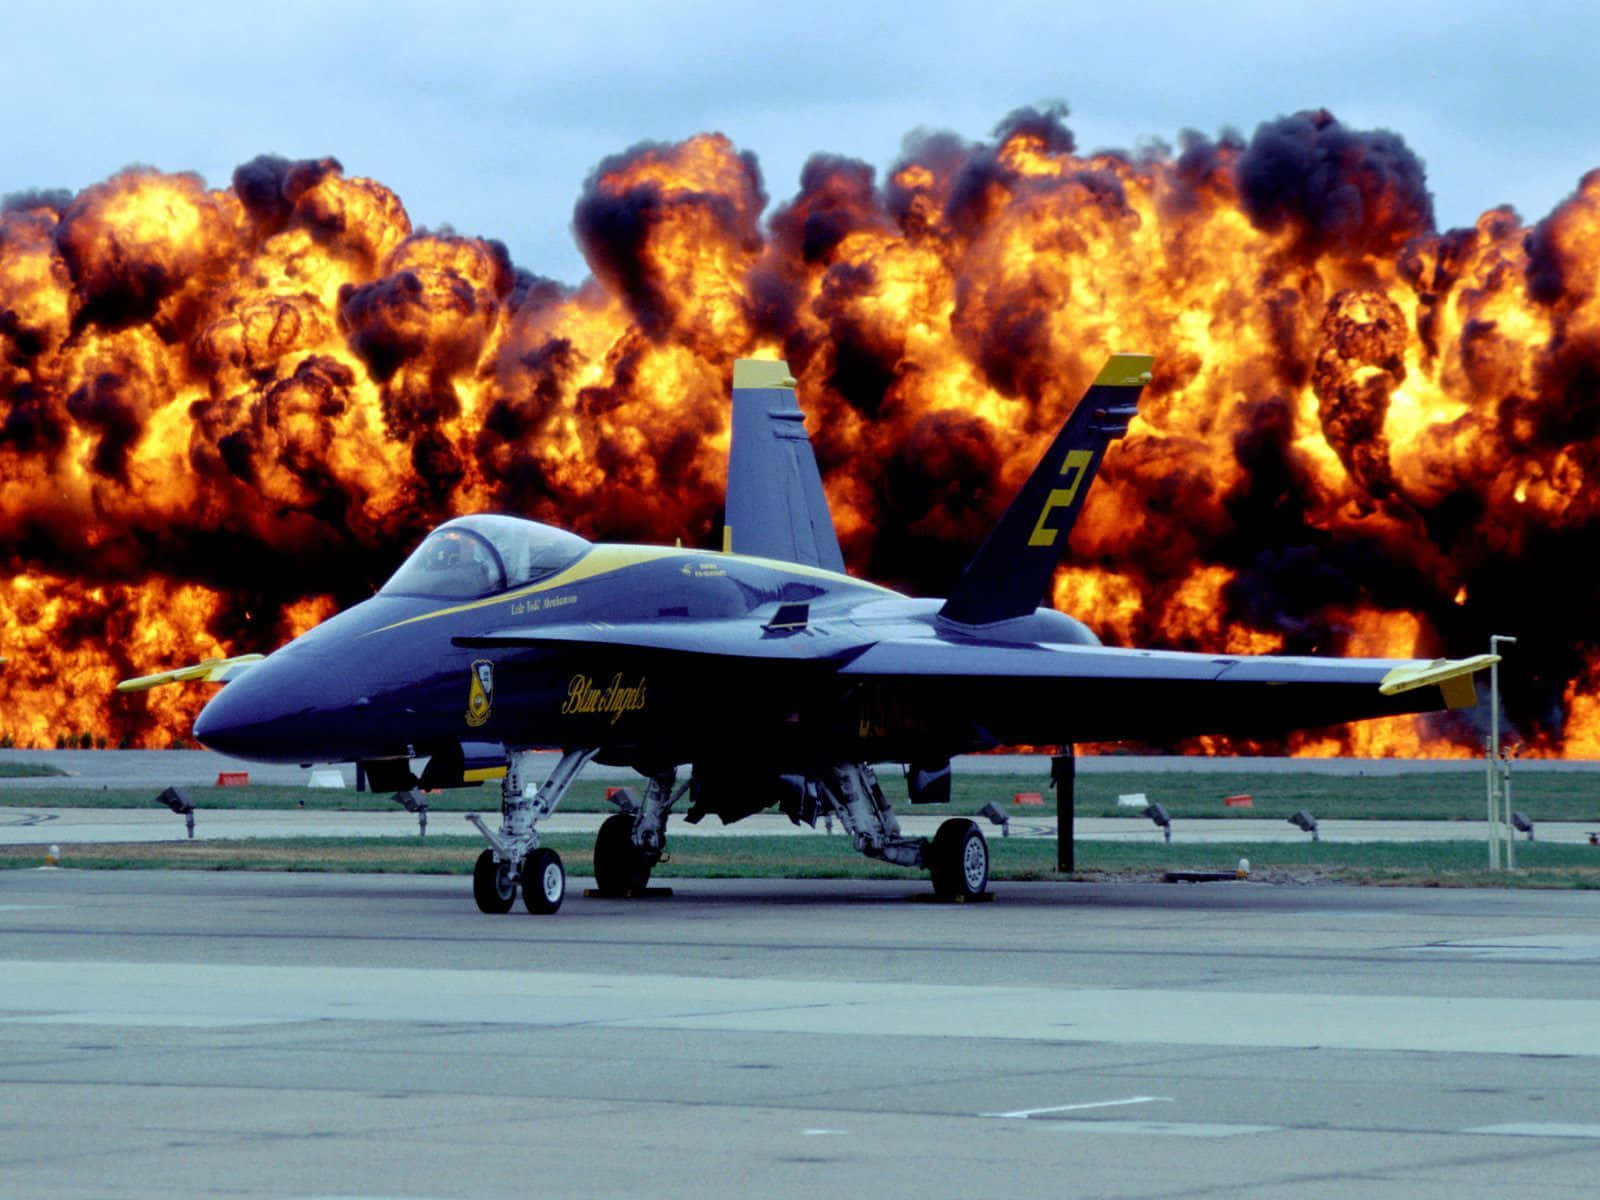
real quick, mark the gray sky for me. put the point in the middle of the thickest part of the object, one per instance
(488, 116)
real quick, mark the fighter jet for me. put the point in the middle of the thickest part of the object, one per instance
(765, 669)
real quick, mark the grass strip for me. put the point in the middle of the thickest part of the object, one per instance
(29, 770)
(1428, 864)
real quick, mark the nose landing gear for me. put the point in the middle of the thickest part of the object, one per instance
(514, 858)
(544, 882)
(494, 884)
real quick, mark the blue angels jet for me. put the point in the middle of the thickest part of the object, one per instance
(769, 673)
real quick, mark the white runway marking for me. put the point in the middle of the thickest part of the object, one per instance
(1195, 1129)
(1552, 947)
(1024, 1113)
(1549, 1129)
(178, 994)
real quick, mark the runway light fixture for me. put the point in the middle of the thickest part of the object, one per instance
(180, 804)
(411, 800)
(996, 814)
(1304, 820)
(1159, 815)
(1523, 825)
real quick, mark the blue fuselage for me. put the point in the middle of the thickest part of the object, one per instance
(387, 678)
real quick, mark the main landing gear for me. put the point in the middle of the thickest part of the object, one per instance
(514, 858)
(630, 842)
(957, 858)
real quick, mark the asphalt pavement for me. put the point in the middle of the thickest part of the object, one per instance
(199, 1034)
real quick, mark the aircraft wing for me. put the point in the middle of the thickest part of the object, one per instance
(1102, 693)
(212, 670)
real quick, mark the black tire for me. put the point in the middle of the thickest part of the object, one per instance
(958, 860)
(620, 867)
(544, 881)
(492, 885)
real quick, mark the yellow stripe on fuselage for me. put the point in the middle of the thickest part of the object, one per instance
(607, 560)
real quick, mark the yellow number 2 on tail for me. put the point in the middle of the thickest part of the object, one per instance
(1076, 464)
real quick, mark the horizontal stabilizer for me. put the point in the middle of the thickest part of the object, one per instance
(212, 670)
(1010, 576)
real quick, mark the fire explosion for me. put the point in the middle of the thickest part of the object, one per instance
(228, 413)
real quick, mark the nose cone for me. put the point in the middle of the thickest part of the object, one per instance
(288, 708)
(248, 718)
(321, 698)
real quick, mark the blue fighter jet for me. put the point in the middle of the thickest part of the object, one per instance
(769, 673)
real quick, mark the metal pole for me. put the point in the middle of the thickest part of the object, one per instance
(1492, 811)
(1511, 828)
(1063, 777)
(1499, 823)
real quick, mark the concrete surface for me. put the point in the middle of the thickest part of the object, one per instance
(182, 1034)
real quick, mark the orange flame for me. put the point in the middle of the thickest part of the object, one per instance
(225, 413)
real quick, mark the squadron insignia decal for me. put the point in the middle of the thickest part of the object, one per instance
(480, 693)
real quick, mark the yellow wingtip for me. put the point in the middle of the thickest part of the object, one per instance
(1453, 676)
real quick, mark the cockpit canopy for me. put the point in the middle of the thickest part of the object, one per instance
(484, 554)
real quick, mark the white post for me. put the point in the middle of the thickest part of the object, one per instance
(1499, 813)
(1511, 827)
(1492, 806)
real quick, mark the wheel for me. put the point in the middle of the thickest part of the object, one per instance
(958, 860)
(620, 867)
(544, 881)
(492, 885)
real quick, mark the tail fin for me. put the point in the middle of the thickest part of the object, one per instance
(775, 504)
(1010, 576)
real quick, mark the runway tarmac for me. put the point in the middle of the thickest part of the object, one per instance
(195, 1034)
(42, 825)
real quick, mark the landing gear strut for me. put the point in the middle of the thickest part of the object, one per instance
(514, 858)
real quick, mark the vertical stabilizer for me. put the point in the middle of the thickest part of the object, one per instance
(775, 504)
(1010, 576)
